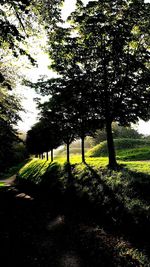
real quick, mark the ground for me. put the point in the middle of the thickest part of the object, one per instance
(40, 230)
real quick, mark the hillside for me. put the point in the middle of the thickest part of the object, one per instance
(126, 149)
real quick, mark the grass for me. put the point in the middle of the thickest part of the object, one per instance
(121, 198)
(139, 166)
(126, 149)
(87, 178)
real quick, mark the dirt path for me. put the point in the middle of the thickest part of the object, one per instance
(9, 181)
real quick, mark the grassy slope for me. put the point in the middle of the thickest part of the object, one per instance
(121, 196)
(126, 149)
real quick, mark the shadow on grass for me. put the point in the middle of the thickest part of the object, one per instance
(103, 205)
(61, 226)
(39, 233)
(140, 184)
(88, 198)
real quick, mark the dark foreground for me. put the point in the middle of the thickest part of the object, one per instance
(43, 230)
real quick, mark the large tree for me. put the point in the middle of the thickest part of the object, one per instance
(108, 43)
(115, 39)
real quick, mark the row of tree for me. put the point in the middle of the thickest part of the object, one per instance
(14, 32)
(102, 62)
(19, 20)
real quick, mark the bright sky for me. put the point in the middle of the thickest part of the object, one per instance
(30, 116)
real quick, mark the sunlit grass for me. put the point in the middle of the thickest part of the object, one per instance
(76, 159)
(34, 169)
(37, 167)
(2, 184)
(126, 149)
(138, 166)
(130, 177)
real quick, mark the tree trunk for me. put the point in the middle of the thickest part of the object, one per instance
(68, 158)
(110, 145)
(42, 156)
(47, 155)
(82, 149)
(52, 158)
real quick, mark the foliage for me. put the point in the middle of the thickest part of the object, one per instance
(69, 107)
(14, 28)
(118, 132)
(102, 63)
(42, 130)
(9, 107)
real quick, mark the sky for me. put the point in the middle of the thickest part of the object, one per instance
(27, 94)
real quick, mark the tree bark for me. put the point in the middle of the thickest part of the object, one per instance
(82, 149)
(68, 153)
(47, 155)
(52, 158)
(110, 144)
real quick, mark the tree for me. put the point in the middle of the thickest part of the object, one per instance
(42, 138)
(71, 108)
(115, 40)
(9, 108)
(108, 43)
(118, 132)
(7, 138)
(14, 31)
(58, 111)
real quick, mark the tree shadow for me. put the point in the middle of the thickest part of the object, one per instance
(109, 211)
(59, 225)
(39, 233)
(139, 183)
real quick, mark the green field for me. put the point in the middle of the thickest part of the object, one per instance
(126, 149)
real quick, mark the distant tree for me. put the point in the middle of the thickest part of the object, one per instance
(59, 112)
(71, 107)
(86, 120)
(118, 132)
(33, 141)
(43, 137)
